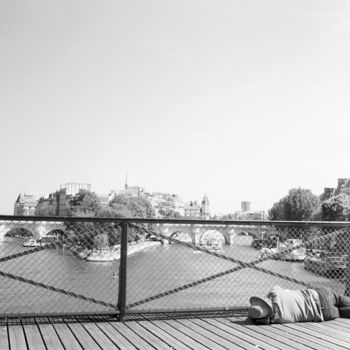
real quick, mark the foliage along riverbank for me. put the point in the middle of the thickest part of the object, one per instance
(112, 253)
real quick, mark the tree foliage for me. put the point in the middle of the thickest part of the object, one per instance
(299, 205)
(84, 203)
(93, 234)
(335, 208)
(166, 213)
(132, 207)
(45, 208)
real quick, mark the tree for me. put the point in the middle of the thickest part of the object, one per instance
(45, 207)
(299, 205)
(45, 210)
(335, 208)
(132, 207)
(84, 202)
(169, 213)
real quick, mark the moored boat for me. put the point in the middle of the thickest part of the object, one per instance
(213, 246)
(326, 264)
(31, 242)
(283, 252)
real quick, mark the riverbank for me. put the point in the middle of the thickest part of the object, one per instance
(113, 253)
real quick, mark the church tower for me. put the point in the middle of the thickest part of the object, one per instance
(205, 208)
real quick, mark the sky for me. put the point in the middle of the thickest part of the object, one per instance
(238, 100)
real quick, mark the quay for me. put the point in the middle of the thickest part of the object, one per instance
(215, 333)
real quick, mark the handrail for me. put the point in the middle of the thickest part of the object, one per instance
(175, 221)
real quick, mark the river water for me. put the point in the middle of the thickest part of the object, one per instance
(166, 273)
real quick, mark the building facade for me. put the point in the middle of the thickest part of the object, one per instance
(72, 188)
(343, 187)
(25, 204)
(193, 209)
(245, 206)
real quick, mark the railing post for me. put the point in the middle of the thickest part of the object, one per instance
(122, 271)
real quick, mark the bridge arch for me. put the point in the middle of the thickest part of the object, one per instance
(55, 232)
(196, 231)
(37, 229)
(18, 231)
(213, 234)
(181, 236)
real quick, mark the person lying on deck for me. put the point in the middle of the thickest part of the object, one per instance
(306, 305)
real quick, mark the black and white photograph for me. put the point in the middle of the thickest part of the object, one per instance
(175, 174)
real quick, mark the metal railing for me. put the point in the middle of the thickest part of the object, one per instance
(108, 266)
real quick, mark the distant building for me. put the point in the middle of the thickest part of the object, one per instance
(193, 210)
(328, 192)
(346, 188)
(205, 214)
(165, 202)
(58, 201)
(245, 206)
(132, 191)
(254, 215)
(72, 188)
(343, 187)
(25, 205)
(47, 204)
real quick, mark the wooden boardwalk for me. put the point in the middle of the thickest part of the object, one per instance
(199, 333)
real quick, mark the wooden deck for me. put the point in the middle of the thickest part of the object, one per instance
(199, 333)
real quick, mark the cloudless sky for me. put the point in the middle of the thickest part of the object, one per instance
(239, 100)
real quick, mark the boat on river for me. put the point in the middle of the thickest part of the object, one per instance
(212, 245)
(326, 264)
(31, 242)
(297, 254)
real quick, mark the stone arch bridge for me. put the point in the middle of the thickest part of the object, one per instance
(38, 229)
(197, 231)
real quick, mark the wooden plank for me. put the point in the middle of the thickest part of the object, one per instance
(284, 341)
(50, 337)
(114, 336)
(340, 324)
(324, 333)
(148, 336)
(168, 338)
(332, 330)
(209, 334)
(205, 341)
(17, 339)
(34, 339)
(338, 327)
(297, 337)
(66, 336)
(134, 338)
(248, 335)
(99, 336)
(4, 344)
(304, 333)
(342, 321)
(238, 338)
(84, 338)
(179, 335)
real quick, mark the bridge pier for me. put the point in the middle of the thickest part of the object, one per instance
(3, 231)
